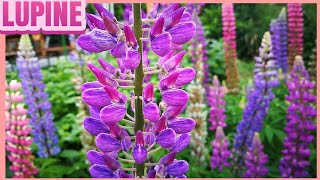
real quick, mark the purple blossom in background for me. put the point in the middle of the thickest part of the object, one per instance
(217, 104)
(220, 152)
(300, 125)
(255, 160)
(279, 39)
(258, 100)
(18, 140)
(39, 108)
(154, 125)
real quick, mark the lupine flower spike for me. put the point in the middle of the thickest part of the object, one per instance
(295, 29)
(131, 137)
(256, 159)
(258, 100)
(220, 152)
(217, 104)
(196, 109)
(279, 39)
(18, 140)
(39, 108)
(300, 125)
(230, 47)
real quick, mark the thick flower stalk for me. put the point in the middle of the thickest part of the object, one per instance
(255, 159)
(230, 47)
(196, 110)
(127, 139)
(300, 125)
(295, 30)
(258, 100)
(39, 108)
(217, 104)
(18, 140)
(279, 39)
(220, 151)
(199, 40)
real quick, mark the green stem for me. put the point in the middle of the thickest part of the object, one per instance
(139, 119)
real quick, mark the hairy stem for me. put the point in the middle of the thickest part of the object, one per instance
(139, 119)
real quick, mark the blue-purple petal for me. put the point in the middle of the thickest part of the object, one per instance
(166, 138)
(96, 97)
(95, 126)
(181, 125)
(139, 154)
(113, 113)
(100, 171)
(95, 157)
(178, 168)
(175, 97)
(162, 44)
(131, 59)
(183, 32)
(181, 143)
(107, 143)
(102, 39)
(151, 111)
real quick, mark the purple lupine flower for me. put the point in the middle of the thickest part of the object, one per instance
(220, 152)
(258, 99)
(295, 32)
(279, 39)
(18, 140)
(255, 159)
(300, 125)
(170, 29)
(230, 47)
(216, 102)
(157, 125)
(39, 108)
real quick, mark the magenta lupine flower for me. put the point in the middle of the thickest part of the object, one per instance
(295, 32)
(156, 125)
(255, 159)
(230, 47)
(220, 152)
(18, 140)
(216, 102)
(300, 125)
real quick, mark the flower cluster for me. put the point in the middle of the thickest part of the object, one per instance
(18, 140)
(279, 39)
(301, 114)
(295, 32)
(196, 110)
(217, 104)
(258, 99)
(230, 47)
(123, 138)
(255, 159)
(220, 151)
(39, 108)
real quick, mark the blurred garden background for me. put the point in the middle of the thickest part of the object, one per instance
(63, 73)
